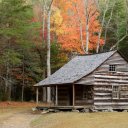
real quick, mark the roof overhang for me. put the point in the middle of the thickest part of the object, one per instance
(52, 85)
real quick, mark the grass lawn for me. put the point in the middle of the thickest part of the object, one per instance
(82, 120)
(16, 113)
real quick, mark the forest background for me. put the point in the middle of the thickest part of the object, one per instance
(37, 37)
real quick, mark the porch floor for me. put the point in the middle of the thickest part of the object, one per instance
(62, 108)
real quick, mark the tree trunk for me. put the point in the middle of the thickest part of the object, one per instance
(44, 98)
(22, 97)
(98, 42)
(87, 26)
(81, 29)
(43, 26)
(48, 55)
(37, 96)
(81, 38)
(7, 88)
(23, 81)
(87, 38)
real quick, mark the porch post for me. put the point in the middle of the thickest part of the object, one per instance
(37, 95)
(73, 87)
(56, 95)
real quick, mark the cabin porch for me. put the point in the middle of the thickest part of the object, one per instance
(75, 95)
(72, 95)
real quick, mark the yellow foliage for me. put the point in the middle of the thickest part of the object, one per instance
(56, 21)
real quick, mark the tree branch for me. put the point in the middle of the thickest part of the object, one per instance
(115, 45)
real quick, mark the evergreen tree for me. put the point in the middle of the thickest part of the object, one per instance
(15, 36)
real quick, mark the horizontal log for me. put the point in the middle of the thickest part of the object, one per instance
(88, 78)
(101, 98)
(125, 69)
(111, 81)
(124, 92)
(87, 82)
(100, 69)
(110, 103)
(111, 100)
(117, 63)
(101, 86)
(99, 107)
(108, 84)
(102, 89)
(102, 94)
(111, 77)
(115, 59)
(101, 73)
(105, 96)
(118, 73)
(123, 98)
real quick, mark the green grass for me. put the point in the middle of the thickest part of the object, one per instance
(82, 120)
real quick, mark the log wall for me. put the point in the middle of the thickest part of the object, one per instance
(104, 80)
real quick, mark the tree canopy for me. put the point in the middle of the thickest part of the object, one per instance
(70, 27)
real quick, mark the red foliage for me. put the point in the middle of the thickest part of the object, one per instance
(73, 15)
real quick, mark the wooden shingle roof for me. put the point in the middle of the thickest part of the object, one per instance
(75, 69)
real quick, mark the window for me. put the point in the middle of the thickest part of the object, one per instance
(112, 68)
(115, 92)
(115, 88)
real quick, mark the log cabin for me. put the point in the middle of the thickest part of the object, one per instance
(99, 81)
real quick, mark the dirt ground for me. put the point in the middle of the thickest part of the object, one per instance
(18, 120)
(16, 114)
(21, 116)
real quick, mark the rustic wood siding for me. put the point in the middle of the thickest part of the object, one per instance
(104, 80)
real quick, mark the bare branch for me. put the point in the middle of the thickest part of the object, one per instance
(102, 24)
(106, 28)
(81, 29)
(116, 45)
(6, 79)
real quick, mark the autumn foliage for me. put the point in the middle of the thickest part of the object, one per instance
(74, 17)
(67, 18)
